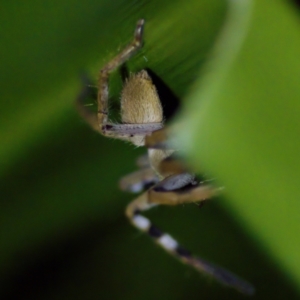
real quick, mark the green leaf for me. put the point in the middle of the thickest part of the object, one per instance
(241, 123)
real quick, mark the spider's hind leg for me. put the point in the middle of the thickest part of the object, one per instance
(169, 244)
(181, 187)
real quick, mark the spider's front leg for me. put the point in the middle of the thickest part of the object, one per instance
(102, 99)
(139, 96)
(100, 122)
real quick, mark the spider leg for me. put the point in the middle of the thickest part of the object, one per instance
(143, 161)
(169, 244)
(128, 131)
(121, 131)
(172, 165)
(100, 122)
(138, 181)
(157, 140)
(180, 189)
(117, 61)
(105, 127)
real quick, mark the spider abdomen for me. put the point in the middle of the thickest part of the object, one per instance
(140, 103)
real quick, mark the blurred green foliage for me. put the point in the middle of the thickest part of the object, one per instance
(62, 230)
(246, 128)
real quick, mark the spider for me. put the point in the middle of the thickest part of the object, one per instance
(169, 180)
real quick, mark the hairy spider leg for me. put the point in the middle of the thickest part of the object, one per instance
(143, 161)
(138, 181)
(124, 55)
(102, 123)
(171, 245)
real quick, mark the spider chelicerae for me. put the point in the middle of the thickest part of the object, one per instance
(169, 180)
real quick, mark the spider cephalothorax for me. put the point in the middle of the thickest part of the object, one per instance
(170, 182)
